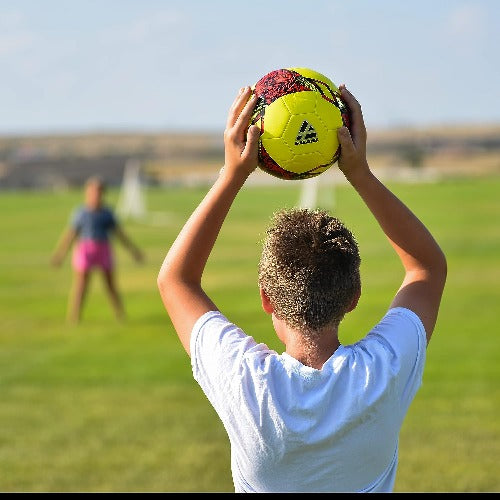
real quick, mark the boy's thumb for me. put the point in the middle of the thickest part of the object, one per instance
(253, 136)
(253, 132)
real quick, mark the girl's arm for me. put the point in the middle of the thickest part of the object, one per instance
(128, 244)
(67, 239)
(179, 279)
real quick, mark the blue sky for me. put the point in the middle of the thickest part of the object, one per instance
(70, 66)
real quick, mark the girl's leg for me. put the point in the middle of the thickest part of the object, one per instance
(116, 302)
(80, 286)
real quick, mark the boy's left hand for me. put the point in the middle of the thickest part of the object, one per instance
(241, 142)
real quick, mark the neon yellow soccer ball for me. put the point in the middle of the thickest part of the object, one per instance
(298, 112)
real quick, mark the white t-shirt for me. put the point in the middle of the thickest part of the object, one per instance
(293, 428)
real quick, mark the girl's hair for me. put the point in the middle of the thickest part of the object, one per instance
(309, 269)
(97, 181)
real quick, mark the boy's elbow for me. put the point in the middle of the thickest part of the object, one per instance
(439, 269)
(443, 265)
(168, 280)
(159, 281)
(163, 280)
(171, 279)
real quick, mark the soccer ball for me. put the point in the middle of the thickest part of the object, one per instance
(298, 112)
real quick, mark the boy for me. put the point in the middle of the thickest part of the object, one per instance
(92, 224)
(321, 417)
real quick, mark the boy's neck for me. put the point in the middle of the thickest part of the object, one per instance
(310, 353)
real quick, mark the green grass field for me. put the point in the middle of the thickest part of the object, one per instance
(113, 407)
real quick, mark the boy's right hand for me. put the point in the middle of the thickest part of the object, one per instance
(352, 141)
(240, 141)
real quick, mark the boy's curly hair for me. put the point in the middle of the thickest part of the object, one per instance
(309, 268)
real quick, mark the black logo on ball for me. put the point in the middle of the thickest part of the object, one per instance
(306, 134)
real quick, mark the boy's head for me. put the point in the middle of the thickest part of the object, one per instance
(94, 192)
(309, 269)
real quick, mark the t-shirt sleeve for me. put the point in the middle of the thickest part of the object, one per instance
(218, 350)
(76, 219)
(111, 219)
(400, 338)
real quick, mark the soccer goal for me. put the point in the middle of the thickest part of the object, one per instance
(132, 200)
(131, 203)
(318, 192)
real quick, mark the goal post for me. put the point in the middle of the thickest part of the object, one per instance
(318, 192)
(131, 203)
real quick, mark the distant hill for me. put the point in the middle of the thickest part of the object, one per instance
(41, 161)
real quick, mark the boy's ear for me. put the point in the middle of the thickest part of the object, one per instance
(354, 302)
(266, 303)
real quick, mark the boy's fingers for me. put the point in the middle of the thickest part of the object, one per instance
(237, 106)
(233, 109)
(246, 114)
(357, 125)
(349, 99)
(345, 140)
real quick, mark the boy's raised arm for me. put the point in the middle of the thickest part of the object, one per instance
(179, 279)
(423, 261)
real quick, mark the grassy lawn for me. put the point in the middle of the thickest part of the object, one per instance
(112, 407)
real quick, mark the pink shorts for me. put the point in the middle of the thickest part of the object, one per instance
(89, 253)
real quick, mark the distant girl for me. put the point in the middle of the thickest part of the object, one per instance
(91, 226)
